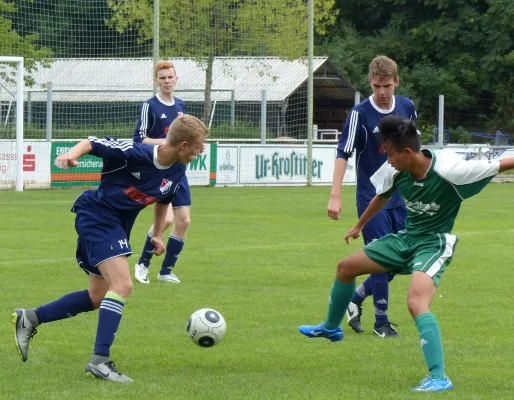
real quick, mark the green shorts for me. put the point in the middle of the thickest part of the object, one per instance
(402, 253)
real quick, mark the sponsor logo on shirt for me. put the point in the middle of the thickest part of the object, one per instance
(421, 208)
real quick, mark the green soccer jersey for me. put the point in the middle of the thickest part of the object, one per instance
(434, 202)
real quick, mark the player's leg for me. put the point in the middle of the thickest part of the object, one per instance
(175, 244)
(341, 294)
(376, 284)
(431, 260)
(182, 215)
(116, 285)
(143, 264)
(26, 321)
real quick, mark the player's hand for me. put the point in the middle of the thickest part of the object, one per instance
(65, 160)
(334, 208)
(353, 233)
(159, 245)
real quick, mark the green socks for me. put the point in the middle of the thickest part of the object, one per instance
(430, 340)
(340, 298)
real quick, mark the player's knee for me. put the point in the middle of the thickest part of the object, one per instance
(344, 270)
(123, 288)
(416, 305)
(168, 221)
(182, 225)
(96, 297)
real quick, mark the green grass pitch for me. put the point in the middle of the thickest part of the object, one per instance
(265, 258)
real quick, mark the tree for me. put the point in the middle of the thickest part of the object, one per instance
(76, 28)
(12, 44)
(461, 48)
(204, 29)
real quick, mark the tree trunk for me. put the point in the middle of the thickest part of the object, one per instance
(207, 106)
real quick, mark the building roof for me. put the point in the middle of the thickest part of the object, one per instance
(131, 79)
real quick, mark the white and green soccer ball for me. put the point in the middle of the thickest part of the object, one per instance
(206, 327)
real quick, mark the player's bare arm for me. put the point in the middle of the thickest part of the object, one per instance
(160, 211)
(374, 207)
(506, 164)
(70, 158)
(334, 204)
(148, 140)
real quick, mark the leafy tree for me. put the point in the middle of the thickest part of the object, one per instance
(461, 48)
(209, 28)
(76, 28)
(12, 44)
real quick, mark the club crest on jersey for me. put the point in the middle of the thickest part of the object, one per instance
(165, 186)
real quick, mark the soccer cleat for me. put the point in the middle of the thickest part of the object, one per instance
(171, 277)
(430, 384)
(315, 331)
(106, 371)
(24, 331)
(141, 273)
(353, 314)
(386, 330)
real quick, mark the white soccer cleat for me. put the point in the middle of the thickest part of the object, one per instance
(171, 277)
(24, 331)
(106, 371)
(141, 273)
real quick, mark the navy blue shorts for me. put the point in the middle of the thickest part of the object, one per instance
(386, 221)
(182, 196)
(99, 240)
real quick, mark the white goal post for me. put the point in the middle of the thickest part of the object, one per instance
(20, 88)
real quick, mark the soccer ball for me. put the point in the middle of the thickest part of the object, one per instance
(206, 327)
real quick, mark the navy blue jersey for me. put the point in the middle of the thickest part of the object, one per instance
(156, 117)
(361, 135)
(131, 180)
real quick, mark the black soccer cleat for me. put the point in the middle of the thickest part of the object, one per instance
(386, 330)
(353, 314)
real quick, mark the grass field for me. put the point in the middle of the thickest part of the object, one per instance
(265, 258)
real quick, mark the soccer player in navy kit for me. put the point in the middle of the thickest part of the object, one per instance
(360, 135)
(433, 184)
(156, 116)
(134, 176)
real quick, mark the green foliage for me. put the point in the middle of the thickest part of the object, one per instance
(76, 28)
(223, 28)
(460, 135)
(463, 49)
(241, 130)
(13, 44)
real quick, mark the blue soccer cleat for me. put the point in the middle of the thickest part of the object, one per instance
(430, 384)
(315, 331)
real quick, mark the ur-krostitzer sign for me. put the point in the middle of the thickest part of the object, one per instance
(284, 164)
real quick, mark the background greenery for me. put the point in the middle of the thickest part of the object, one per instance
(463, 49)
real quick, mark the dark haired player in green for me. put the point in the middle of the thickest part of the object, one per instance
(433, 186)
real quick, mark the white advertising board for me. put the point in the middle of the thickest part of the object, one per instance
(227, 167)
(36, 165)
(277, 165)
